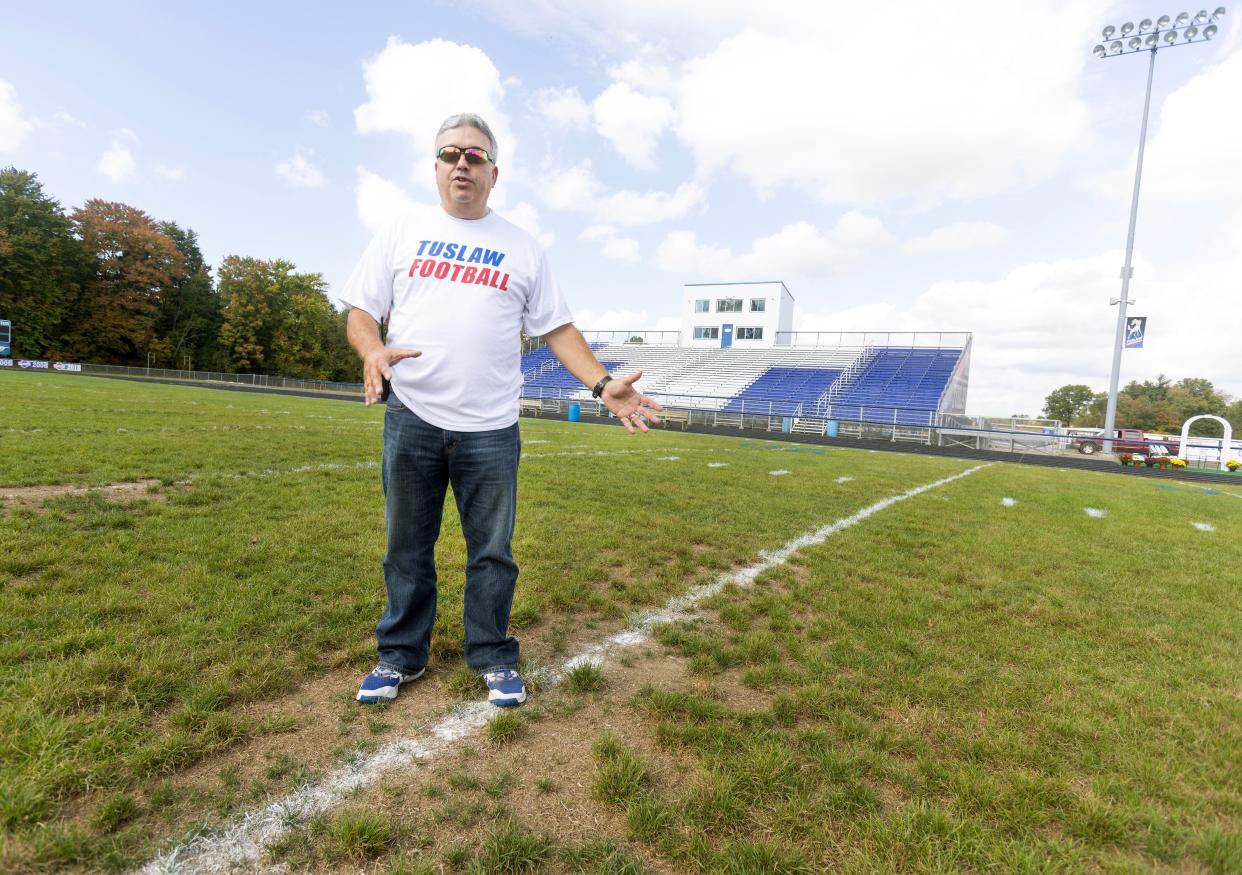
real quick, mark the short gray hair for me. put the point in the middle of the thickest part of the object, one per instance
(469, 119)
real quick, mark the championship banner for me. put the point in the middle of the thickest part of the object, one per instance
(28, 363)
(6, 363)
(1136, 330)
(67, 366)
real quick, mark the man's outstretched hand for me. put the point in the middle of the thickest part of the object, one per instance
(377, 367)
(634, 410)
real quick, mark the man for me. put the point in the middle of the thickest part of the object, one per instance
(457, 288)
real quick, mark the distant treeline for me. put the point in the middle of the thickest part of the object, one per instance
(108, 284)
(1159, 406)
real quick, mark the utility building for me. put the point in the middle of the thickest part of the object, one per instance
(743, 315)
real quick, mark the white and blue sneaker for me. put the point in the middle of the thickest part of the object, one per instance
(505, 688)
(382, 683)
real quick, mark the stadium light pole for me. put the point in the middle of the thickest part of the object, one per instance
(1129, 39)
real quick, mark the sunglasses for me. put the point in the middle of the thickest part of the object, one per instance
(474, 155)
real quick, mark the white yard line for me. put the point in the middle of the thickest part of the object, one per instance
(241, 842)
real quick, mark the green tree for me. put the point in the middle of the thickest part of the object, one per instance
(1156, 391)
(1233, 413)
(275, 320)
(135, 268)
(1069, 402)
(1193, 396)
(188, 318)
(41, 265)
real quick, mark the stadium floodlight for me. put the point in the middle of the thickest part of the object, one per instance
(1152, 44)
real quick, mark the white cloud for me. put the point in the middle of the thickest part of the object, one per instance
(63, 118)
(300, 172)
(798, 249)
(1193, 155)
(13, 125)
(172, 172)
(317, 117)
(412, 89)
(611, 320)
(1047, 324)
(573, 189)
(598, 232)
(621, 249)
(526, 217)
(117, 162)
(380, 201)
(564, 108)
(954, 126)
(578, 190)
(957, 238)
(632, 121)
(643, 73)
(646, 208)
(613, 246)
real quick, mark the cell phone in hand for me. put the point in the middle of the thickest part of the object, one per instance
(387, 390)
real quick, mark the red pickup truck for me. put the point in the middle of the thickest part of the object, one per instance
(1127, 440)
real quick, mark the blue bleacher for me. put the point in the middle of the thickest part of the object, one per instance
(783, 391)
(898, 383)
(555, 381)
(540, 356)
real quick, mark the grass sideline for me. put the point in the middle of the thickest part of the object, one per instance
(1041, 686)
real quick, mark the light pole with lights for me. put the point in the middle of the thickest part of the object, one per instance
(1150, 37)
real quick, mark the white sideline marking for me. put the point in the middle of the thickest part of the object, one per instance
(843, 480)
(779, 472)
(1204, 527)
(667, 458)
(605, 453)
(537, 442)
(243, 840)
(1095, 512)
(717, 464)
(1008, 502)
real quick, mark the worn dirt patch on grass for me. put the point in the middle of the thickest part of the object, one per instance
(30, 496)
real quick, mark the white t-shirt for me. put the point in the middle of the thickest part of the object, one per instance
(458, 290)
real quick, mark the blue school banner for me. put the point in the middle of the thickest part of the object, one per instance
(1136, 330)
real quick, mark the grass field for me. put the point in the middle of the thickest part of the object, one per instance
(1018, 670)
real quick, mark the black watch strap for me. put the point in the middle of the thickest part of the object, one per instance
(599, 387)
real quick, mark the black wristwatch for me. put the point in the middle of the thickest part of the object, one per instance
(599, 387)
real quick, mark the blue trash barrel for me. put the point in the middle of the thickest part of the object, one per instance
(575, 412)
(831, 427)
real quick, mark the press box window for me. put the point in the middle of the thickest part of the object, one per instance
(729, 305)
(702, 306)
(758, 305)
(706, 332)
(750, 334)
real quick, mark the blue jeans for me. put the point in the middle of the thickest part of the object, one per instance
(420, 462)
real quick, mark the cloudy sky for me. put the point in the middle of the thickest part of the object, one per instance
(960, 166)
